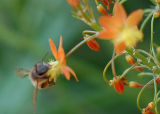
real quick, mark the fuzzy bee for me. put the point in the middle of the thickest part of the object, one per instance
(38, 75)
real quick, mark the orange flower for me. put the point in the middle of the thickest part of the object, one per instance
(121, 29)
(119, 84)
(73, 3)
(60, 63)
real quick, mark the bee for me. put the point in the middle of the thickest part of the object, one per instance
(38, 76)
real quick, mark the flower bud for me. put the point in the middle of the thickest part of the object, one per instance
(106, 2)
(134, 84)
(157, 14)
(158, 50)
(102, 10)
(149, 107)
(130, 59)
(158, 80)
(92, 44)
(73, 3)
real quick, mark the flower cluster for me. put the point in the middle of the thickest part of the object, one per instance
(123, 32)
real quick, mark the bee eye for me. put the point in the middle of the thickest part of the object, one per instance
(42, 68)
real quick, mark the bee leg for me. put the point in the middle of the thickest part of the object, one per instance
(51, 82)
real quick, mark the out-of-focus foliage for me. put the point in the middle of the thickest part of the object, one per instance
(25, 26)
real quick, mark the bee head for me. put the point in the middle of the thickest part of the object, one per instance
(40, 69)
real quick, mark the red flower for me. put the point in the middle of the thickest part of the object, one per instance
(60, 62)
(119, 84)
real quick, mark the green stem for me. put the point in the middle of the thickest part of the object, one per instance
(81, 43)
(158, 94)
(113, 65)
(88, 21)
(149, 55)
(88, 31)
(145, 73)
(152, 27)
(145, 21)
(143, 60)
(85, 16)
(122, 1)
(140, 93)
(155, 95)
(106, 68)
(128, 70)
(97, 3)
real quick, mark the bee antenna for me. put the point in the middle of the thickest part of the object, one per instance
(44, 57)
(35, 98)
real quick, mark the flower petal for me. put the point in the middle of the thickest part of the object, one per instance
(93, 44)
(53, 48)
(120, 13)
(135, 17)
(109, 22)
(72, 72)
(120, 47)
(119, 86)
(61, 54)
(107, 35)
(65, 72)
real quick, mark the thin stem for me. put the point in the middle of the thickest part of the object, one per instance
(128, 70)
(155, 95)
(148, 54)
(106, 68)
(86, 17)
(97, 3)
(140, 93)
(88, 31)
(81, 43)
(145, 73)
(145, 21)
(152, 26)
(158, 94)
(113, 65)
(122, 1)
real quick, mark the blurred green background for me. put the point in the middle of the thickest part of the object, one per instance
(25, 26)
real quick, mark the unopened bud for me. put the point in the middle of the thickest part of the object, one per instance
(130, 59)
(158, 50)
(92, 44)
(73, 3)
(149, 107)
(157, 14)
(102, 10)
(158, 80)
(134, 84)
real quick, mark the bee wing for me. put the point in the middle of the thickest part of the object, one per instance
(21, 72)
